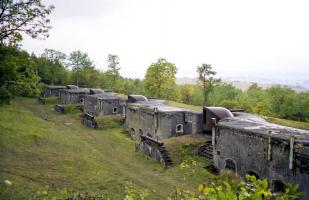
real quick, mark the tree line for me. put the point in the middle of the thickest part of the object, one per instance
(24, 74)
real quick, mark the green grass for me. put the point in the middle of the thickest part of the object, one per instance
(72, 108)
(112, 121)
(186, 106)
(51, 100)
(290, 123)
(41, 149)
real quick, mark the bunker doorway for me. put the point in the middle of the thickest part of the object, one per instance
(230, 165)
(278, 186)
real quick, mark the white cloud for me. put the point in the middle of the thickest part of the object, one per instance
(236, 37)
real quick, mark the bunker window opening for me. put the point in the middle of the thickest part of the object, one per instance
(179, 128)
(82, 100)
(115, 110)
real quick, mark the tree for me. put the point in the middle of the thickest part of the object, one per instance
(79, 61)
(18, 72)
(206, 79)
(51, 67)
(54, 56)
(186, 93)
(224, 94)
(160, 79)
(113, 71)
(23, 16)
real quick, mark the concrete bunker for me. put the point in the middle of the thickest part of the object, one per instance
(52, 90)
(160, 120)
(263, 149)
(104, 104)
(73, 96)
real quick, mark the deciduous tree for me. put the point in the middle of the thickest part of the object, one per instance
(19, 17)
(113, 69)
(51, 67)
(206, 79)
(160, 79)
(79, 61)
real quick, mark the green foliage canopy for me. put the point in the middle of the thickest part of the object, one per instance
(160, 79)
(19, 16)
(206, 79)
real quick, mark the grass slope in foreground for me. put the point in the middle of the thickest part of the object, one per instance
(43, 150)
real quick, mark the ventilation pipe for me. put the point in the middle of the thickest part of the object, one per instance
(213, 135)
(156, 118)
(292, 139)
(269, 146)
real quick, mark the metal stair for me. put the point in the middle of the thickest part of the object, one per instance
(165, 156)
(206, 151)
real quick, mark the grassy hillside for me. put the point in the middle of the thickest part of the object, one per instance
(44, 150)
(291, 123)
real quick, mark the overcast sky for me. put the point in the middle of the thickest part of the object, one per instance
(255, 38)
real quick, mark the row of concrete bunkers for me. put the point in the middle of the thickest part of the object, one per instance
(241, 142)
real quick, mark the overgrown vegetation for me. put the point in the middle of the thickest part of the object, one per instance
(252, 189)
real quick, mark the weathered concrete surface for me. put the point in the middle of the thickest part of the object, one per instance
(73, 96)
(52, 90)
(155, 119)
(246, 145)
(104, 104)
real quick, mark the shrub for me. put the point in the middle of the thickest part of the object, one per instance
(5, 96)
(251, 189)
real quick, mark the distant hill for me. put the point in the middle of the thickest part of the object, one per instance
(243, 83)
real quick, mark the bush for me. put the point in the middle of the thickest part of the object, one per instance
(252, 189)
(72, 108)
(230, 104)
(5, 96)
(51, 100)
